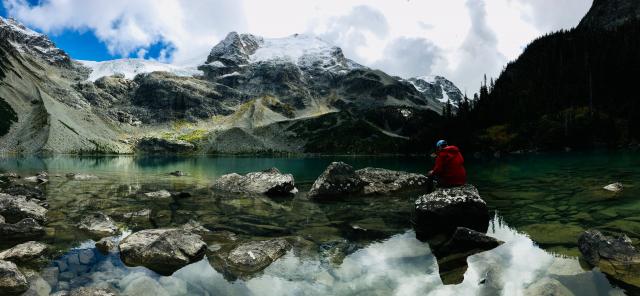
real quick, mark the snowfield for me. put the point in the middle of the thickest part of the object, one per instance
(132, 67)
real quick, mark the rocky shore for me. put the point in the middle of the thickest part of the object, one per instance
(453, 221)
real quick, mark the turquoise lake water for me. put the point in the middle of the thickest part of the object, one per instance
(541, 203)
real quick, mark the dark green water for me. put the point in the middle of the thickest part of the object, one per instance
(542, 203)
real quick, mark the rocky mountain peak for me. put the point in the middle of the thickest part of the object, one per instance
(437, 87)
(301, 50)
(26, 40)
(609, 14)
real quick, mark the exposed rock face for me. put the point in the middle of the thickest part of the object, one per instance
(162, 146)
(25, 252)
(81, 177)
(439, 88)
(30, 41)
(383, 181)
(16, 208)
(24, 230)
(609, 14)
(338, 179)
(12, 281)
(254, 256)
(445, 209)
(162, 250)
(614, 256)
(98, 224)
(269, 182)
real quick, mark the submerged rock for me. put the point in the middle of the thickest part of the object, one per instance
(29, 192)
(158, 194)
(616, 257)
(42, 177)
(81, 177)
(26, 229)
(383, 181)
(12, 281)
(162, 250)
(547, 286)
(16, 208)
(156, 145)
(254, 256)
(269, 182)
(446, 209)
(615, 187)
(25, 252)
(106, 244)
(98, 224)
(178, 174)
(338, 179)
(88, 291)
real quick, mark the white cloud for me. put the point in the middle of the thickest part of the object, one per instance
(460, 39)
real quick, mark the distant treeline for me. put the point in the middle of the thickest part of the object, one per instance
(577, 88)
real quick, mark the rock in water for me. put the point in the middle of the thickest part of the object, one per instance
(254, 256)
(338, 179)
(25, 252)
(87, 291)
(23, 190)
(26, 229)
(158, 194)
(162, 250)
(12, 281)
(383, 181)
(81, 177)
(615, 187)
(16, 208)
(547, 286)
(446, 209)
(269, 182)
(614, 256)
(98, 224)
(178, 174)
(106, 244)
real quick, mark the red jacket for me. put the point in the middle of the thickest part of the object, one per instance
(449, 167)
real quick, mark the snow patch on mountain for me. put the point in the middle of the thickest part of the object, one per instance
(437, 87)
(29, 41)
(132, 67)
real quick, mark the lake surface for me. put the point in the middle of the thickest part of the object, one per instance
(362, 246)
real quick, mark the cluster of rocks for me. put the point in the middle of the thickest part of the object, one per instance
(22, 216)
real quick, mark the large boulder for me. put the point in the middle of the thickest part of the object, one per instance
(254, 256)
(25, 252)
(16, 208)
(26, 229)
(269, 182)
(12, 281)
(338, 179)
(615, 256)
(98, 225)
(446, 209)
(162, 250)
(383, 181)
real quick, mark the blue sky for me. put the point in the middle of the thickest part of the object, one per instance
(84, 45)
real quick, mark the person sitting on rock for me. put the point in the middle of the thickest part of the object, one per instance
(449, 168)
